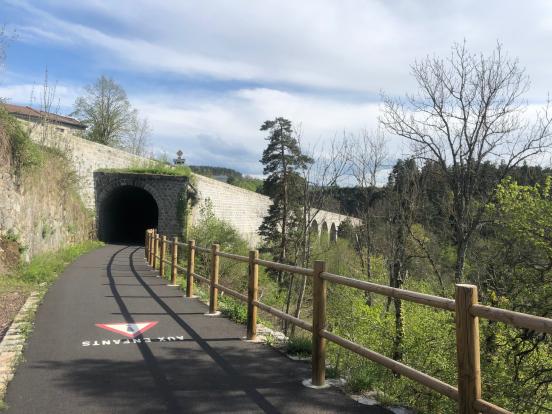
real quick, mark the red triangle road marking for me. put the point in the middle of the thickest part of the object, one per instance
(130, 330)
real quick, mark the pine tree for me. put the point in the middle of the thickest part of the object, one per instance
(282, 160)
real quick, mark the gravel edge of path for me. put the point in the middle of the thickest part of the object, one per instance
(11, 346)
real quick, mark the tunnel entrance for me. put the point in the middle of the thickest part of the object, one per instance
(126, 214)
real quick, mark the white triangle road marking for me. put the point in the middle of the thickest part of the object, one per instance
(130, 330)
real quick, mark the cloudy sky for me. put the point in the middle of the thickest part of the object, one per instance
(208, 73)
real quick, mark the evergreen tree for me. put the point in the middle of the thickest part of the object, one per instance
(282, 160)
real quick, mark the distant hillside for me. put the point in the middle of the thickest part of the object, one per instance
(208, 171)
(229, 176)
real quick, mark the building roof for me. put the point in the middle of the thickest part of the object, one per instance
(26, 112)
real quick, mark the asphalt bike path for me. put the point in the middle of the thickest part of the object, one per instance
(112, 337)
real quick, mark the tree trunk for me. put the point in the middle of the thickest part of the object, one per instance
(300, 299)
(288, 301)
(461, 249)
(399, 331)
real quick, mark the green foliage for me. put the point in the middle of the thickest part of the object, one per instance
(233, 309)
(211, 229)
(282, 160)
(106, 111)
(526, 211)
(12, 236)
(24, 153)
(299, 345)
(247, 183)
(209, 171)
(46, 267)
(157, 168)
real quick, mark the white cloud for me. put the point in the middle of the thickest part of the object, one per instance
(225, 129)
(353, 45)
(317, 62)
(30, 94)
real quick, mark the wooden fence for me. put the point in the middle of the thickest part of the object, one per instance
(465, 306)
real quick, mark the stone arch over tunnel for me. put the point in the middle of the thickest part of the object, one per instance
(157, 201)
(126, 213)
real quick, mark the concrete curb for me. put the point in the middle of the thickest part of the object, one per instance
(11, 347)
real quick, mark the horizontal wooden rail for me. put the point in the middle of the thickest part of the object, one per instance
(409, 372)
(182, 244)
(232, 256)
(231, 292)
(284, 267)
(486, 407)
(421, 298)
(181, 268)
(202, 249)
(517, 319)
(296, 321)
(202, 278)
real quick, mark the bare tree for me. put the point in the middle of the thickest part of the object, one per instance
(47, 107)
(468, 111)
(320, 178)
(106, 111)
(136, 139)
(367, 156)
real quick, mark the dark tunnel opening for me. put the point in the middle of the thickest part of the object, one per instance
(126, 214)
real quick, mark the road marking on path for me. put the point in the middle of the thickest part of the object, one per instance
(130, 330)
(107, 342)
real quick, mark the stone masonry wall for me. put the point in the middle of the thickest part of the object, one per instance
(39, 210)
(245, 209)
(86, 156)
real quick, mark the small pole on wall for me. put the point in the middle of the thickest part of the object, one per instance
(174, 257)
(191, 269)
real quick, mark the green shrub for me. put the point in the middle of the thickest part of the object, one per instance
(155, 168)
(24, 153)
(299, 345)
(45, 268)
(234, 309)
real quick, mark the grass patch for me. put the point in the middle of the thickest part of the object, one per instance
(233, 309)
(43, 269)
(299, 346)
(163, 169)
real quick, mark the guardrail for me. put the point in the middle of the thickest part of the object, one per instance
(465, 306)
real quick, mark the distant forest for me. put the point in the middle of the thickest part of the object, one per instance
(233, 177)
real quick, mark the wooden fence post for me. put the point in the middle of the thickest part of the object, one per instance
(152, 232)
(191, 269)
(213, 291)
(155, 249)
(146, 240)
(174, 262)
(467, 349)
(252, 293)
(162, 255)
(318, 324)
